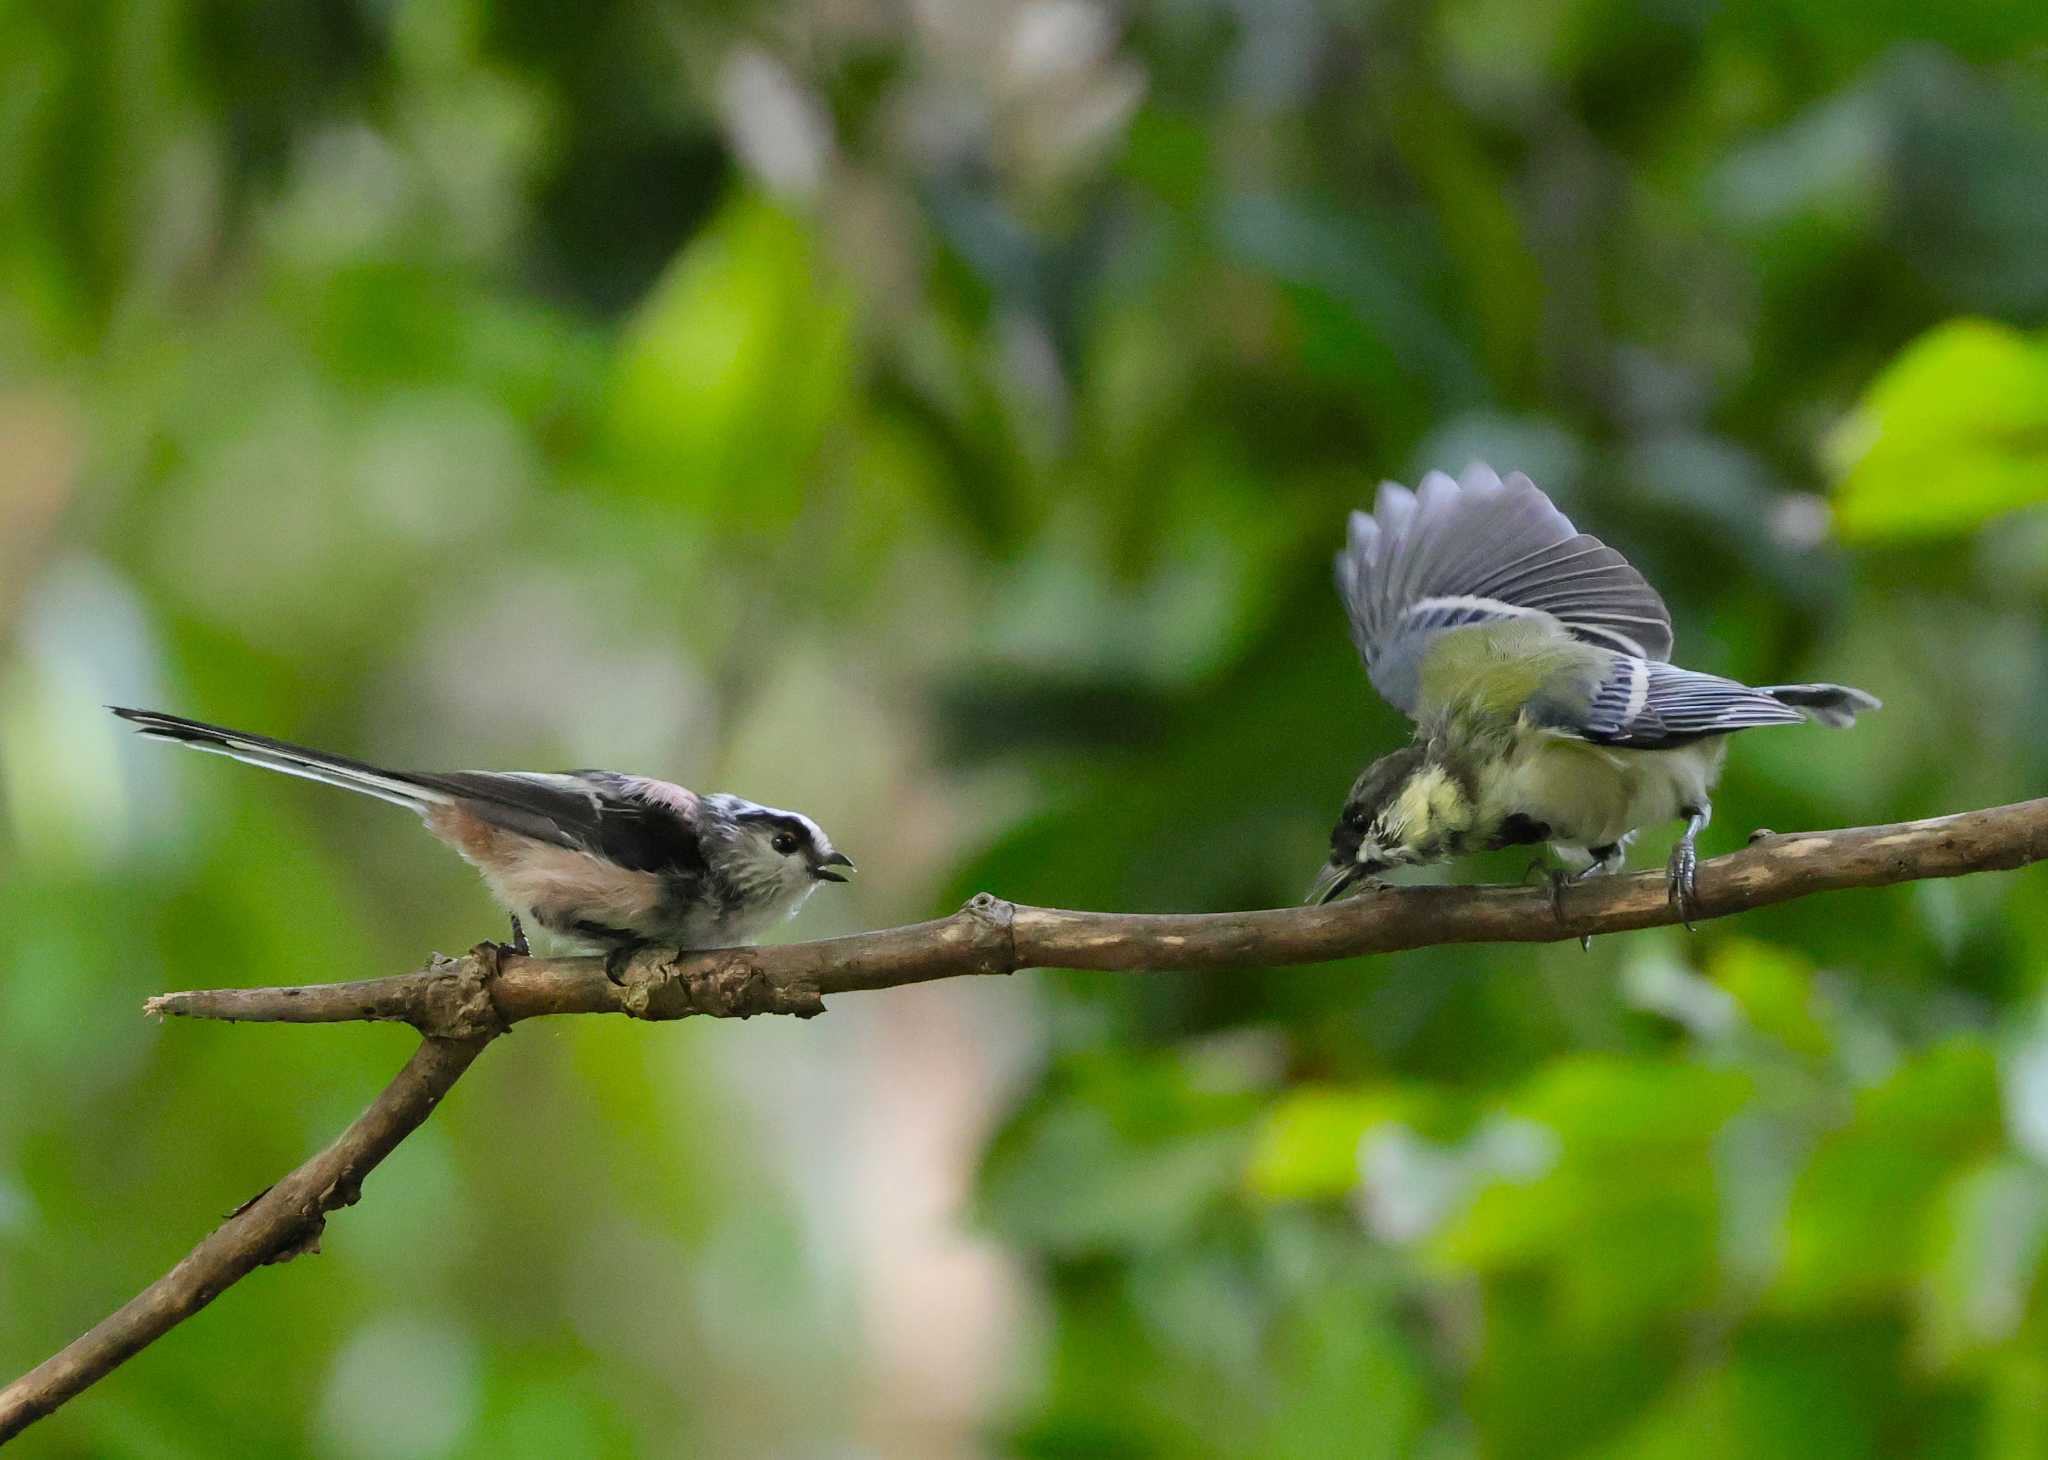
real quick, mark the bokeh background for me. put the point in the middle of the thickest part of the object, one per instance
(939, 417)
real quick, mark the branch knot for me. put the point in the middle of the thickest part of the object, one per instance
(993, 932)
(726, 983)
(455, 999)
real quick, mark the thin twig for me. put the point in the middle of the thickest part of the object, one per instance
(460, 1005)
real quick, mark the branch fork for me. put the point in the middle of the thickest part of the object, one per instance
(459, 1005)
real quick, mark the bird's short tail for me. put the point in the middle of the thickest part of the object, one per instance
(293, 760)
(1834, 705)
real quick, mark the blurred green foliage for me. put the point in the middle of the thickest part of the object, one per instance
(939, 419)
(1953, 432)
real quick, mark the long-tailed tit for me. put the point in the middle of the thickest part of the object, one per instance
(604, 862)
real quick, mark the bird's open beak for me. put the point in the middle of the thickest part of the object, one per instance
(1336, 879)
(1332, 882)
(837, 859)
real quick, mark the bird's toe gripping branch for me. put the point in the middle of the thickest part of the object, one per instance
(1558, 880)
(1683, 891)
(1683, 875)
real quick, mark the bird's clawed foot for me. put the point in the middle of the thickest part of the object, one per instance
(517, 948)
(615, 961)
(518, 944)
(1559, 880)
(1683, 891)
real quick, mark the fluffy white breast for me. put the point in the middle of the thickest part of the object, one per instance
(1595, 795)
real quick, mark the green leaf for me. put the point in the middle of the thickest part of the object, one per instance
(1351, 1381)
(1858, 1221)
(1773, 986)
(1626, 1219)
(1607, 1108)
(1952, 433)
(1117, 1156)
(1786, 1391)
(734, 369)
(1307, 1146)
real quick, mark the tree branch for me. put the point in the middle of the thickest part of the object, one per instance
(460, 1005)
(992, 936)
(279, 1224)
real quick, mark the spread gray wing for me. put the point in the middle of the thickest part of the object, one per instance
(1645, 705)
(1480, 550)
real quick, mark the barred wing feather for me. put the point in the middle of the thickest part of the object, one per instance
(1649, 706)
(1480, 550)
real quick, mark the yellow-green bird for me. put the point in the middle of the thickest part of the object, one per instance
(1535, 663)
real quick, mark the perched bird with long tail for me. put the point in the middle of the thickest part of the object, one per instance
(603, 861)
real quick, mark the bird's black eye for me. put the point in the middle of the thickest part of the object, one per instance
(1354, 817)
(785, 842)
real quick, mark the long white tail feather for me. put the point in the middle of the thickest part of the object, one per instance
(413, 798)
(291, 760)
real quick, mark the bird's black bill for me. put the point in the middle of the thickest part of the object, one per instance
(837, 859)
(1334, 881)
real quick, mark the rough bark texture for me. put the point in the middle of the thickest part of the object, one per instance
(460, 1005)
(281, 1223)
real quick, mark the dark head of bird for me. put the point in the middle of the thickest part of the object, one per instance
(1404, 809)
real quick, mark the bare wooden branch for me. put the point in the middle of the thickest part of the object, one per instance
(460, 1005)
(281, 1223)
(989, 935)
